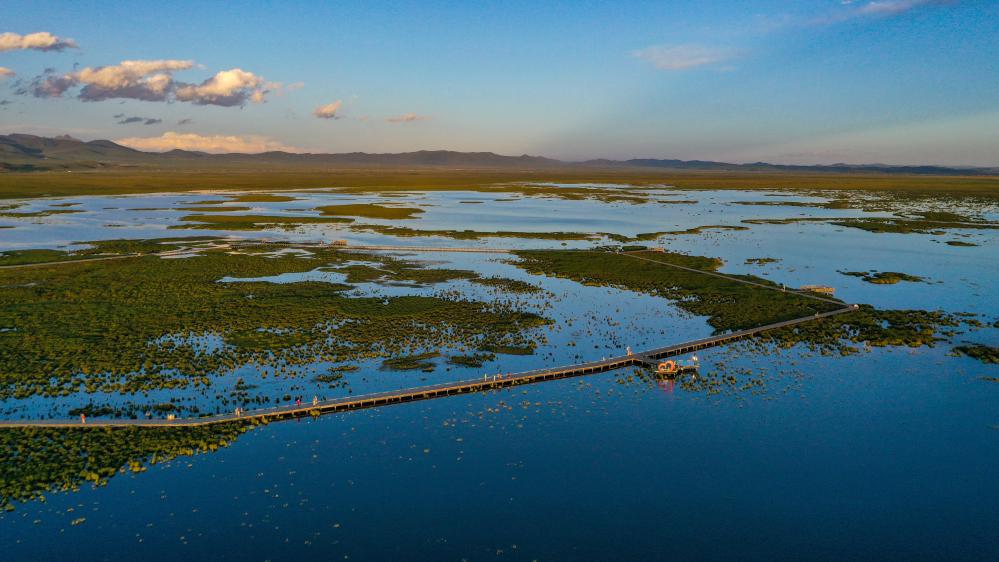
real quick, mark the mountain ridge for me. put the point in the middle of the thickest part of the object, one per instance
(24, 152)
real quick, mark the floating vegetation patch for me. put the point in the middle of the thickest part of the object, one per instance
(474, 360)
(208, 209)
(262, 198)
(984, 353)
(871, 327)
(420, 361)
(961, 243)
(336, 376)
(914, 226)
(730, 305)
(107, 326)
(38, 214)
(761, 261)
(884, 277)
(38, 461)
(370, 211)
(645, 236)
(252, 222)
(834, 204)
(472, 234)
(509, 285)
(98, 249)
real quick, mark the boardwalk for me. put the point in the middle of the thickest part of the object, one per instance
(488, 382)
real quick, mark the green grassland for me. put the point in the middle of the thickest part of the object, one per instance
(110, 182)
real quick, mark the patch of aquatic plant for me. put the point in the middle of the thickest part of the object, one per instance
(370, 211)
(507, 349)
(871, 327)
(251, 222)
(833, 204)
(107, 326)
(984, 353)
(399, 271)
(96, 249)
(335, 376)
(262, 198)
(471, 234)
(729, 305)
(509, 285)
(411, 362)
(207, 209)
(474, 360)
(961, 243)
(38, 461)
(884, 277)
(38, 214)
(910, 226)
(761, 261)
(646, 236)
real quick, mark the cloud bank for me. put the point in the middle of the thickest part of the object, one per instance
(215, 144)
(40, 41)
(683, 57)
(151, 80)
(328, 111)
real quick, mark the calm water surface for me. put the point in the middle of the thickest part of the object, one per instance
(891, 453)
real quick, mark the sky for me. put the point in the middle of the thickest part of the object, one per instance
(808, 81)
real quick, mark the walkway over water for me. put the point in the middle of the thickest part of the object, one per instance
(488, 382)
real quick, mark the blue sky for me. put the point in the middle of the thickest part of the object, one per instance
(896, 81)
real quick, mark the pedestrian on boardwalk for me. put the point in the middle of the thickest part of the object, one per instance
(83, 418)
(315, 400)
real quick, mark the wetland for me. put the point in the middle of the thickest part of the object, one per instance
(147, 305)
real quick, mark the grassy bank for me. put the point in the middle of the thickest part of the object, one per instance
(105, 182)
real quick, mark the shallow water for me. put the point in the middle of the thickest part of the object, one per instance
(886, 454)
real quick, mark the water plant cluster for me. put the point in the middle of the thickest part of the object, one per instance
(884, 277)
(730, 305)
(37, 461)
(147, 323)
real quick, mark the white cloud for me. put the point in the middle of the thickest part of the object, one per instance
(40, 41)
(875, 8)
(407, 118)
(328, 111)
(152, 80)
(227, 88)
(5, 73)
(683, 57)
(216, 144)
(890, 7)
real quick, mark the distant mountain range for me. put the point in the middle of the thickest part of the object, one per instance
(19, 152)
